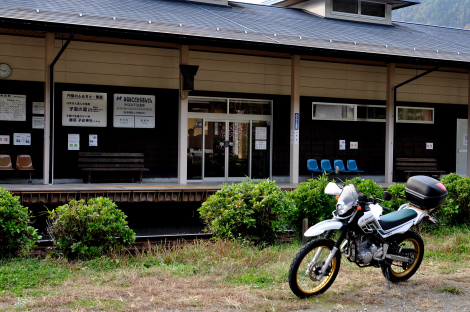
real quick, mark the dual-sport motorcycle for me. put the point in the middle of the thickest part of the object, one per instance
(366, 237)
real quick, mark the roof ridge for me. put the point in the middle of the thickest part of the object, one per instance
(438, 26)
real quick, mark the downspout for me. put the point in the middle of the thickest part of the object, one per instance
(51, 113)
(395, 112)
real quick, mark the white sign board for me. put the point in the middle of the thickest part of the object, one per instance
(21, 138)
(84, 109)
(73, 143)
(38, 122)
(342, 145)
(261, 133)
(38, 108)
(134, 111)
(12, 107)
(260, 145)
(4, 139)
(429, 146)
(93, 140)
(353, 145)
(465, 139)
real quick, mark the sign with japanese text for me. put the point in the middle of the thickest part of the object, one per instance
(73, 142)
(12, 107)
(38, 108)
(353, 145)
(134, 111)
(84, 109)
(38, 122)
(260, 145)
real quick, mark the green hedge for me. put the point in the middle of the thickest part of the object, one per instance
(16, 235)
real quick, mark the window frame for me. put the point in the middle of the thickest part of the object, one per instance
(416, 121)
(359, 9)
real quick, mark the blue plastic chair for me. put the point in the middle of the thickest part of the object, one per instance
(339, 163)
(312, 166)
(352, 166)
(326, 165)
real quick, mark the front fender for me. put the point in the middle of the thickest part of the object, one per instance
(323, 226)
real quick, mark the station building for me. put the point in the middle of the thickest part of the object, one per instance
(219, 91)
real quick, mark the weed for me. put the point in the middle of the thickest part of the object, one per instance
(450, 290)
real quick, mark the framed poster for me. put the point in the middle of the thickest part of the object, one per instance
(73, 143)
(38, 108)
(21, 138)
(12, 107)
(38, 122)
(4, 139)
(134, 111)
(84, 109)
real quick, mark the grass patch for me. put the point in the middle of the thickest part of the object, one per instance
(19, 274)
(450, 290)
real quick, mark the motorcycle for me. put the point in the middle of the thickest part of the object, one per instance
(366, 236)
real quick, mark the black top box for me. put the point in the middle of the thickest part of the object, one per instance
(425, 192)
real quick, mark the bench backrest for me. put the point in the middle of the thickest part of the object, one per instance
(110, 160)
(416, 164)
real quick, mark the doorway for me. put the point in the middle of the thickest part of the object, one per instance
(226, 145)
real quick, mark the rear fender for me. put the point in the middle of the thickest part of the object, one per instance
(323, 226)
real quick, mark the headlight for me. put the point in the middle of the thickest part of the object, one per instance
(341, 208)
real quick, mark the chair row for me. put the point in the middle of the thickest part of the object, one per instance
(325, 166)
(23, 162)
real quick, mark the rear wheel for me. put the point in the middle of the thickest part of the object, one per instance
(306, 266)
(401, 271)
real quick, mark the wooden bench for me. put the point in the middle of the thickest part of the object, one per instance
(93, 161)
(412, 166)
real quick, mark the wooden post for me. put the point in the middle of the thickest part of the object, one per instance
(304, 229)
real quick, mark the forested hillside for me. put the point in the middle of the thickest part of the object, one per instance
(452, 13)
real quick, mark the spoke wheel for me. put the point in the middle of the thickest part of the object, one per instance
(401, 271)
(306, 266)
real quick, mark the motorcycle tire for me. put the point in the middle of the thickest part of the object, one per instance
(302, 280)
(400, 271)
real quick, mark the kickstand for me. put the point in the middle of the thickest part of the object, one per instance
(387, 276)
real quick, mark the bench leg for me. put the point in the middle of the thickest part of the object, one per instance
(140, 177)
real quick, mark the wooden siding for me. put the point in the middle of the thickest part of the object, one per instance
(25, 56)
(118, 65)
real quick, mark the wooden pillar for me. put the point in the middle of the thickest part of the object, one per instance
(390, 125)
(294, 122)
(183, 121)
(468, 127)
(49, 57)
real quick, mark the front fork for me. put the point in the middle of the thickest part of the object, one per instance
(333, 251)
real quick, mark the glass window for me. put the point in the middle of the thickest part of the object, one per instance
(371, 113)
(373, 9)
(332, 111)
(249, 107)
(195, 148)
(346, 6)
(415, 115)
(216, 106)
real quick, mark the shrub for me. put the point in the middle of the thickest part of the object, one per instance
(85, 231)
(368, 187)
(311, 202)
(247, 210)
(456, 209)
(16, 236)
(398, 196)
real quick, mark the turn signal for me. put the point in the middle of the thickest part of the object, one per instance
(359, 208)
(336, 197)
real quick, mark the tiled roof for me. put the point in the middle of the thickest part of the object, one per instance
(251, 23)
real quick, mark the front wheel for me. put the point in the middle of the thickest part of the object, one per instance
(401, 271)
(306, 266)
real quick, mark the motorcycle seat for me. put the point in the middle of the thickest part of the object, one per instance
(396, 218)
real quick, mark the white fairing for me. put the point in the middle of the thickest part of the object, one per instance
(332, 189)
(376, 210)
(323, 226)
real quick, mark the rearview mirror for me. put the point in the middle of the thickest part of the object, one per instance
(386, 195)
